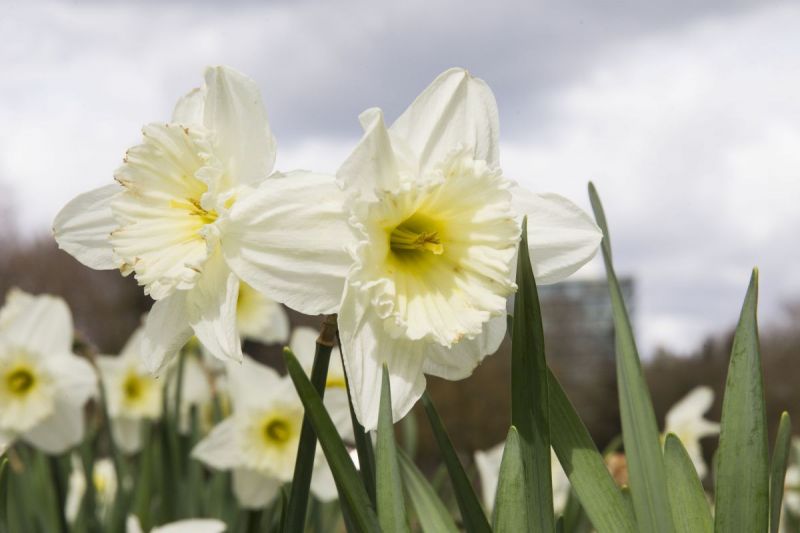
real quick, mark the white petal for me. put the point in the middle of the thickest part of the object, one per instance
(304, 343)
(251, 383)
(488, 463)
(42, 324)
(561, 236)
(366, 347)
(691, 407)
(58, 432)
(193, 525)
(166, 330)
(371, 166)
(17, 301)
(83, 226)
(76, 381)
(254, 490)
(323, 486)
(235, 112)
(189, 109)
(288, 240)
(127, 434)
(456, 109)
(211, 308)
(260, 318)
(218, 449)
(459, 361)
(132, 524)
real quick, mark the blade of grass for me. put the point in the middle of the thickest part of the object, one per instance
(510, 499)
(690, 509)
(742, 481)
(529, 409)
(297, 506)
(344, 471)
(468, 504)
(648, 479)
(780, 459)
(391, 507)
(598, 493)
(431, 511)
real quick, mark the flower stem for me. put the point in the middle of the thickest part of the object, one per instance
(304, 465)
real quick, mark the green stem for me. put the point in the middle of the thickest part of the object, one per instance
(304, 465)
(60, 491)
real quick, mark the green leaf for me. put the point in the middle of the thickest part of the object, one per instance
(529, 410)
(780, 458)
(598, 493)
(344, 471)
(296, 508)
(742, 482)
(510, 500)
(471, 510)
(690, 509)
(4, 494)
(391, 507)
(431, 511)
(648, 480)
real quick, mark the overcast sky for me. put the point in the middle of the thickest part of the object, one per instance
(685, 114)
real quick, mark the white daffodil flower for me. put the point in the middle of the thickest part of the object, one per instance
(104, 478)
(193, 525)
(303, 344)
(260, 318)
(488, 463)
(432, 261)
(195, 206)
(43, 385)
(685, 420)
(258, 442)
(133, 394)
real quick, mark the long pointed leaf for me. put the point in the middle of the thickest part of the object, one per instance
(742, 482)
(391, 506)
(296, 508)
(510, 500)
(344, 471)
(431, 511)
(599, 495)
(648, 480)
(471, 510)
(780, 458)
(529, 410)
(690, 509)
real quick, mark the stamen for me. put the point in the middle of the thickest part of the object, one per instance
(20, 380)
(132, 387)
(277, 431)
(404, 239)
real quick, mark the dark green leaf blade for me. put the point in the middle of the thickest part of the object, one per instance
(471, 510)
(598, 493)
(529, 410)
(431, 511)
(391, 506)
(780, 459)
(690, 508)
(648, 480)
(510, 500)
(344, 471)
(742, 481)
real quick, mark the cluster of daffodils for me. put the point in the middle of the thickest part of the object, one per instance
(412, 243)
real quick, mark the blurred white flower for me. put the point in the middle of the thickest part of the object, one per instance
(437, 229)
(259, 440)
(195, 389)
(43, 385)
(488, 463)
(104, 478)
(259, 318)
(193, 525)
(133, 394)
(196, 202)
(685, 420)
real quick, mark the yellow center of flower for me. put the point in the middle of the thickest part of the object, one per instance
(335, 382)
(132, 387)
(192, 205)
(277, 431)
(20, 380)
(417, 234)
